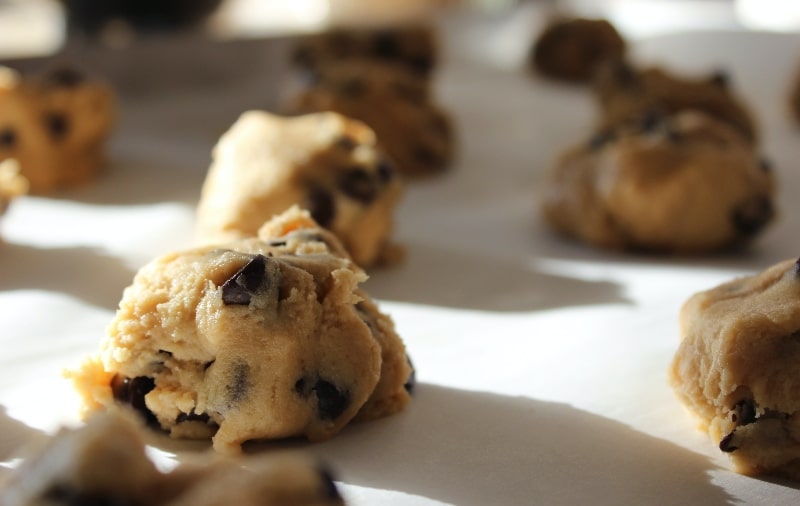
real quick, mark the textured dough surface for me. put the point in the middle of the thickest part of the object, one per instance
(55, 126)
(624, 93)
(325, 162)
(680, 184)
(738, 368)
(394, 102)
(104, 463)
(262, 338)
(571, 49)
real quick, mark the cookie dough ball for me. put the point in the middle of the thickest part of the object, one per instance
(682, 184)
(324, 162)
(12, 184)
(262, 338)
(413, 47)
(398, 105)
(104, 462)
(55, 126)
(571, 49)
(737, 368)
(624, 93)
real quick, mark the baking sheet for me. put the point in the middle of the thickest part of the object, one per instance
(541, 362)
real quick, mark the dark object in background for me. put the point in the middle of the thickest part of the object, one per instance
(571, 49)
(90, 17)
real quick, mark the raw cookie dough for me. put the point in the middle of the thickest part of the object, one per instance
(683, 184)
(738, 368)
(624, 93)
(571, 49)
(55, 125)
(398, 105)
(325, 162)
(413, 47)
(12, 184)
(262, 338)
(104, 463)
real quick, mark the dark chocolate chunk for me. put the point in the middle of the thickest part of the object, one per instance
(412, 377)
(132, 391)
(751, 217)
(386, 46)
(57, 125)
(247, 282)
(237, 389)
(385, 171)
(66, 495)
(651, 120)
(421, 64)
(720, 78)
(321, 206)
(726, 445)
(67, 77)
(328, 490)
(359, 185)
(301, 387)
(744, 412)
(346, 143)
(331, 402)
(8, 138)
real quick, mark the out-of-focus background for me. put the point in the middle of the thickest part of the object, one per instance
(39, 27)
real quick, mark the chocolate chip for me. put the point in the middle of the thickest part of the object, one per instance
(321, 206)
(8, 138)
(726, 445)
(346, 143)
(412, 377)
(765, 165)
(385, 171)
(651, 120)
(57, 125)
(601, 138)
(132, 391)
(750, 217)
(237, 389)
(66, 495)
(331, 402)
(329, 490)
(427, 156)
(386, 45)
(67, 77)
(720, 78)
(246, 282)
(359, 185)
(744, 412)
(421, 64)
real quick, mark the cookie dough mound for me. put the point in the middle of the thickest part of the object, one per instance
(262, 338)
(325, 162)
(55, 126)
(12, 183)
(624, 93)
(738, 368)
(413, 47)
(680, 184)
(571, 49)
(395, 103)
(105, 462)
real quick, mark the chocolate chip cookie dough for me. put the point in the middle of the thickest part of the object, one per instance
(261, 338)
(414, 47)
(571, 49)
(624, 92)
(325, 162)
(104, 463)
(737, 370)
(395, 103)
(55, 125)
(685, 183)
